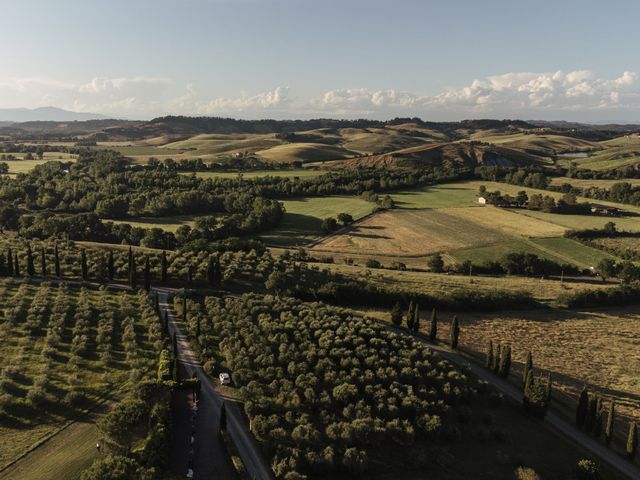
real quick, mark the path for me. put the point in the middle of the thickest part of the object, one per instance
(552, 419)
(210, 452)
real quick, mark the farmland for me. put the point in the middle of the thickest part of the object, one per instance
(446, 218)
(576, 347)
(588, 182)
(25, 166)
(62, 357)
(302, 221)
(170, 224)
(543, 290)
(616, 153)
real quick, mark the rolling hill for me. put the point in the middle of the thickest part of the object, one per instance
(454, 154)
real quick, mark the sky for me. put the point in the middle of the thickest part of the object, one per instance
(438, 60)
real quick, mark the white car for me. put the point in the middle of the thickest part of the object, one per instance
(225, 378)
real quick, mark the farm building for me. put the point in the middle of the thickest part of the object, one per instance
(482, 200)
(607, 210)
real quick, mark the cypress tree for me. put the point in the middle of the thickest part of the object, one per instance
(83, 264)
(528, 386)
(9, 261)
(416, 319)
(396, 314)
(547, 396)
(608, 431)
(111, 266)
(147, 274)
(163, 267)
(455, 333)
(528, 365)
(174, 342)
(211, 271)
(165, 323)
(505, 361)
(488, 359)
(410, 316)
(56, 261)
(16, 265)
(592, 410)
(496, 359)
(133, 274)
(31, 269)
(156, 302)
(176, 369)
(184, 307)
(197, 328)
(582, 408)
(632, 440)
(190, 275)
(43, 262)
(223, 417)
(433, 327)
(597, 426)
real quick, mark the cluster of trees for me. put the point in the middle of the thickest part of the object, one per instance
(323, 388)
(498, 359)
(331, 224)
(595, 419)
(568, 204)
(146, 413)
(259, 214)
(627, 271)
(526, 177)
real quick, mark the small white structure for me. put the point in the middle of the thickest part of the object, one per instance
(225, 378)
(482, 200)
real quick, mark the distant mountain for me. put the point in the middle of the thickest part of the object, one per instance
(47, 114)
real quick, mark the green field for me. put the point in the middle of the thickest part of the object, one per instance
(587, 182)
(303, 218)
(170, 224)
(616, 153)
(540, 144)
(25, 166)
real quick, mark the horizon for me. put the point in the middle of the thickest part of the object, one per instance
(99, 116)
(252, 59)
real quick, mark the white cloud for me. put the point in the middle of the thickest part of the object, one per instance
(510, 94)
(515, 94)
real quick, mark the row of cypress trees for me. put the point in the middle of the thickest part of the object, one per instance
(590, 415)
(413, 323)
(10, 264)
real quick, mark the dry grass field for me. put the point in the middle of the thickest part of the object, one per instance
(599, 347)
(587, 182)
(506, 221)
(409, 232)
(545, 291)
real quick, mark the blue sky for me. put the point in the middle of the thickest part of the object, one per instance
(300, 58)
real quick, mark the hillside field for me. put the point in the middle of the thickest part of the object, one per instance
(302, 221)
(447, 219)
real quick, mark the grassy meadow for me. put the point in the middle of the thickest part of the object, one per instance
(302, 222)
(169, 224)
